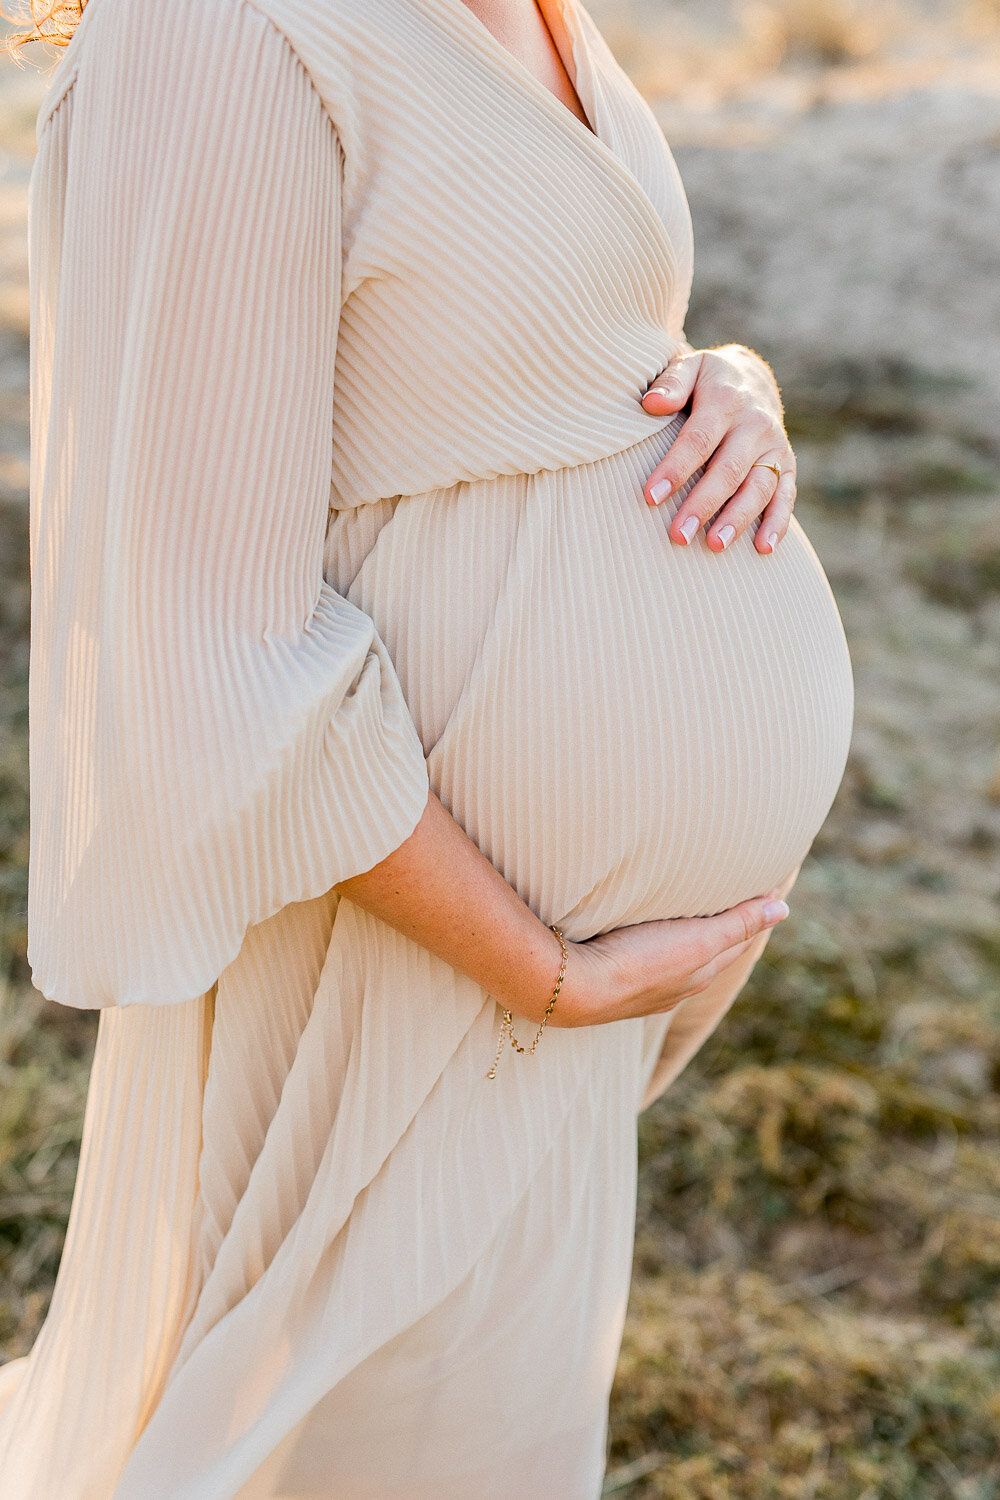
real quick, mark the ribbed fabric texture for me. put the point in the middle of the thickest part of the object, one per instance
(214, 731)
(340, 325)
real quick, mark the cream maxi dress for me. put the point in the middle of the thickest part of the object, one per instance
(340, 323)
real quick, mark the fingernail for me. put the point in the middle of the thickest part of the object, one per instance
(726, 535)
(660, 490)
(689, 528)
(668, 390)
(775, 911)
(772, 540)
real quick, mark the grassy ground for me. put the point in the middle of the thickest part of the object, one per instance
(816, 1299)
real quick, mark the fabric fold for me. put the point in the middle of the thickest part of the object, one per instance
(71, 1410)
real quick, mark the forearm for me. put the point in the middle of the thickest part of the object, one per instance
(439, 889)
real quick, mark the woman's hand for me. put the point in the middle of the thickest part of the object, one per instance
(439, 889)
(651, 967)
(734, 429)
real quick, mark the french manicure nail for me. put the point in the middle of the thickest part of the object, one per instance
(775, 911)
(726, 535)
(660, 490)
(772, 540)
(689, 528)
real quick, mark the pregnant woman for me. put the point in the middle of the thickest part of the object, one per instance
(403, 583)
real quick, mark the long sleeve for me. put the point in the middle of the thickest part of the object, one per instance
(214, 731)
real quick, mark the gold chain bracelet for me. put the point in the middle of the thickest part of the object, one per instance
(507, 1025)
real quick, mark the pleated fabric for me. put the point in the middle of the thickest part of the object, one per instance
(216, 732)
(340, 325)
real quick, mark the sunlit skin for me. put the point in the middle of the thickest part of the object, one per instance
(736, 412)
(437, 887)
(520, 26)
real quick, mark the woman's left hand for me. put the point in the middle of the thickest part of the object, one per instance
(735, 429)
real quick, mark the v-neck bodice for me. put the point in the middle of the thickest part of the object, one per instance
(553, 15)
(600, 84)
(566, 252)
(567, 249)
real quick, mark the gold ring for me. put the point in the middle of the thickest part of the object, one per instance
(762, 463)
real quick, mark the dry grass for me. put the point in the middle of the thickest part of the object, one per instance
(755, 1391)
(823, 32)
(703, 53)
(44, 1050)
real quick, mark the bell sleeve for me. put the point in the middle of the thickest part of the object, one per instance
(214, 731)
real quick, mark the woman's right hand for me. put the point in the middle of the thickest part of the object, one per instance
(651, 967)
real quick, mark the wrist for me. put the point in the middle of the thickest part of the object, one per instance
(507, 1026)
(592, 988)
(529, 980)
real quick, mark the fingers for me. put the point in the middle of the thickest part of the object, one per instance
(762, 491)
(778, 513)
(672, 388)
(736, 927)
(717, 406)
(748, 502)
(692, 448)
(651, 967)
(735, 487)
(730, 436)
(703, 977)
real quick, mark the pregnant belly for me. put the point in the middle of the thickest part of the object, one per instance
(628, 729)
